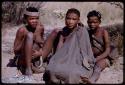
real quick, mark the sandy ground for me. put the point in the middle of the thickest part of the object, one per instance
(112, 74)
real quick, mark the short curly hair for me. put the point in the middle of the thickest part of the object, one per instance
(94, 13)
(73, 10)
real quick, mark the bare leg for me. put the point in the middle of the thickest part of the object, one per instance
(100, 65)
(49, 44)
(96, 74)
(28, 52)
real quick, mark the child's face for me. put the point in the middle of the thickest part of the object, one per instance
(71, 20)
(32, 21)
(93, 22)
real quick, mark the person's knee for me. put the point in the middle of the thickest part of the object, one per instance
(102, 63)
(22, 32)
(29, 35)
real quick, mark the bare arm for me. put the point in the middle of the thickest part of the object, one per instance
(47, 46)
(107, 46)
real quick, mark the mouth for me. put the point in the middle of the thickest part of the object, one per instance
(34, 25)
(70, 26)
(92, 28)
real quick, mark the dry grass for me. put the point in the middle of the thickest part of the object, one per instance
(116, 36)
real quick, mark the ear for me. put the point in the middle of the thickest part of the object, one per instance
(87, 21)
(99, 21)
(79, 21)
(25, 21)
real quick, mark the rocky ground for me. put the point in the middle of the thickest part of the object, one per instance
(112, 74)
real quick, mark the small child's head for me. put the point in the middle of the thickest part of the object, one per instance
(31, 16)
(94, 19)
(72, 18)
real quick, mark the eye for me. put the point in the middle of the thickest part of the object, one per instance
(74, 18)
(37, 18)
(68, 18)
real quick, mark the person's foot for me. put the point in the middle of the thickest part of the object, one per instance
(86, 80)
(20, 79)
(26, 79)
(29, 79)
(28, 71)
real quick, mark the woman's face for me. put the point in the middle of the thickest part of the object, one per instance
(71, 20)
(93, 22)
(32, 21)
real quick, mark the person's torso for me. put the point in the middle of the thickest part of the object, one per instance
(61, 38)
(97, 41)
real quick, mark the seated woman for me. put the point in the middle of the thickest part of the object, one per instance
(100, 43)
(72, 54)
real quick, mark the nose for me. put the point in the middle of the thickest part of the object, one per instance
(70, 21)
(34, 20)
(92, 24)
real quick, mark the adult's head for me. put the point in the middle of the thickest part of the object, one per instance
(72, 18)
(31, 16)
(94, 19)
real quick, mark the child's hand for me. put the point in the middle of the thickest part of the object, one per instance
(36, 53)
(39, 25)
(97, 58)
